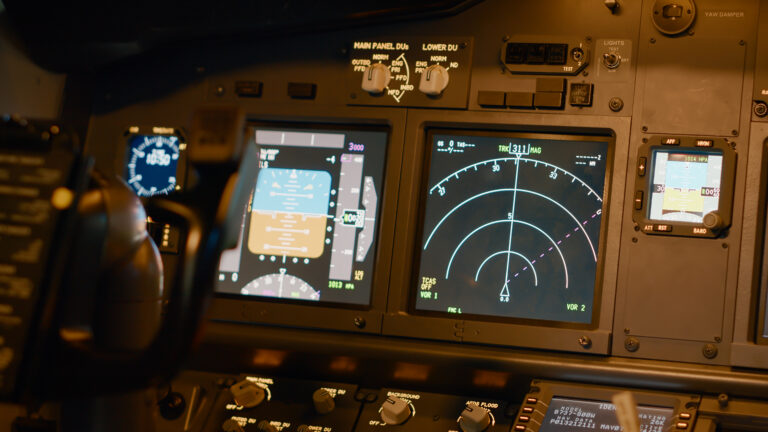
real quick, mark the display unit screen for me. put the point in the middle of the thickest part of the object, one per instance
(511, 225)
(152, 166)
(309, 231)
(570, 414)
(685, 185)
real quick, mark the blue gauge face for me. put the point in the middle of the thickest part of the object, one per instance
(153, 161)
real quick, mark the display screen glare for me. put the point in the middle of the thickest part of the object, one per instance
(309, 231)
(685, 185)
(511, 226)
(565, 415)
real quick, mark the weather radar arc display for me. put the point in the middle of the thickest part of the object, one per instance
(511, 225)
(309, 231)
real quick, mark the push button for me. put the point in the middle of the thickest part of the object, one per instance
(685, 416)
(682, 425)
(519, 427)
(670, 141)
(531, 400)
(302, 90)
(704, 143)
(519, 100)
(581, 94)
(642, 163)
(662, 228)
(490, 99)
(638, 200)
(529, 410)
(523, 418)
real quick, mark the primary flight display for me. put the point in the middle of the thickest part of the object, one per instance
(309, 231)
(511, 225)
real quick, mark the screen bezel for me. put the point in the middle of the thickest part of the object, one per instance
(644, 184)
(544, 134)
(258, 310)
(544, 391)
(399, 322)
(252, 127)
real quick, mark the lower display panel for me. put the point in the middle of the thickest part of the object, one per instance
(251, 402)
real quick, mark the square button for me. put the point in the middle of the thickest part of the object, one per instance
(519, 100)
(490, 99)
(581, 94)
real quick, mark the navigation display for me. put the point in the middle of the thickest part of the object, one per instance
(569, 414)
(686, 185)
(309, 230)
(511, 225)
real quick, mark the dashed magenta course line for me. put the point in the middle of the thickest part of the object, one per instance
(568, 235)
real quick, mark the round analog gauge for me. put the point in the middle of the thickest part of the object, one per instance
(153, 163)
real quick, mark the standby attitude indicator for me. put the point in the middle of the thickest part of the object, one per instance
(511, 226)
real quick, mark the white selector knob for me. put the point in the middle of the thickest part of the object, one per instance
(247, 394)
(474, 419)
(434, 80)
(376, 78)
(395, 411)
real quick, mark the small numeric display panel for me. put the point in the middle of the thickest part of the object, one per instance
(309, 231)
(512, 225)
(684, 186)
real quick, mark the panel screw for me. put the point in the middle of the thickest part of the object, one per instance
(760, 109)
(722, 400)
(220, 91)
(725, 245)
(359, 322)
(585, 342)
(734, 132)
(718, 339)
(742, 43)
(626, 330)
(631, 344)
(653, 40)
(709, 351)
(55, 130)
(615, 104)
(634, 239)
(505, 38)
(645, 128)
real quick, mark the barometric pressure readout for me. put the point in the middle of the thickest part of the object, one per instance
(153, 163)
(309, 231)
(511, 226)
(686, 185)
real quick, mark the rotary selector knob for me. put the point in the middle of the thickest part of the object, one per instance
(474, 418)
(231, 425)
(247, 394)
(323, 401)
(376, 78)
(434, 80)
(713, 221)
(395, 411)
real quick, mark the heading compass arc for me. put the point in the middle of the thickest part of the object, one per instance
(512, 225)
